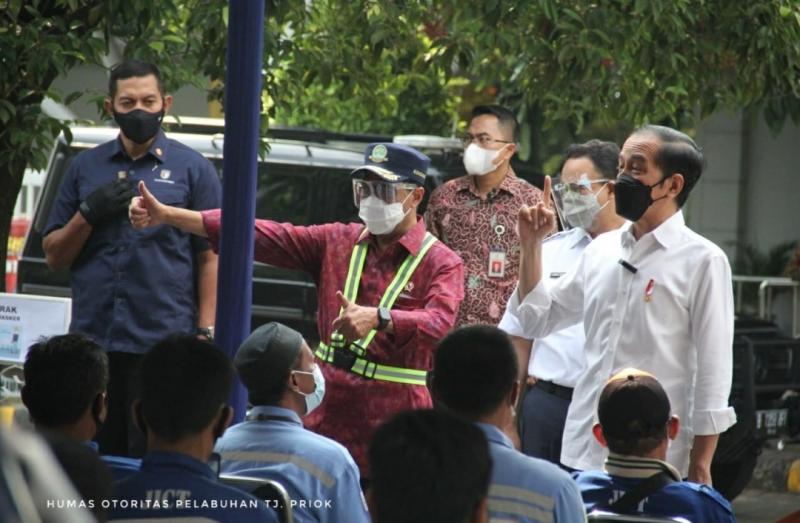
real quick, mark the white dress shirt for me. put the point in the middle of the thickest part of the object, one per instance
(673, 317)
(557, 358)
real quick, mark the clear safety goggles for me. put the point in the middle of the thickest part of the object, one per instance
(386, 191)
(581, 187)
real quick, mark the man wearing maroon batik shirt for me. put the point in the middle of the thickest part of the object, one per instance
(388, 291)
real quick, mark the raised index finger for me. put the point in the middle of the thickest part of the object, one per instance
(547, 196)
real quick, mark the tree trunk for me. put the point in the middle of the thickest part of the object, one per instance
(10, 182)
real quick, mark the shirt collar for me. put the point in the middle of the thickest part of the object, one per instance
(93, 445)
(176, 460)
(667, 234)
(636, 467)
(578, 237)
(158, 149)
(271, 410)
(411, 240)
(509, 184)
(495, 435)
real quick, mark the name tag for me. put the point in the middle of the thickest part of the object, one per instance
(497, 264)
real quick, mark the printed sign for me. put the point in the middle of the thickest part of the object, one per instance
(25, 318)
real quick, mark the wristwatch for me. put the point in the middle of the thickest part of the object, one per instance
(384, 317)
(208, 332)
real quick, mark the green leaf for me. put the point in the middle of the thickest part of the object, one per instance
(785, 11)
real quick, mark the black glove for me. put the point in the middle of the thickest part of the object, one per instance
(107, 201)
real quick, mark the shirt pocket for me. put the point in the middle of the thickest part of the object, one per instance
(173, 195)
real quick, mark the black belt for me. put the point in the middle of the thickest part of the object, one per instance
(560, 391)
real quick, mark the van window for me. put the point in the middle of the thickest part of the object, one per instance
(283, 192)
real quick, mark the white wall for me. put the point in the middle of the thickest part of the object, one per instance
(772, 195)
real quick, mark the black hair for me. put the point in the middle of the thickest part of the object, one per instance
(505, 117)
(639, 446)
(426, 466)
(604, 156)
(677, 154)
(272, 393)
(474, 370)
(184, 384)
(63, 376)
(131, 69)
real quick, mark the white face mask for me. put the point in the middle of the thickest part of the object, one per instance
(580, 210)
(314, 399)
(479, 161)
(381, 217)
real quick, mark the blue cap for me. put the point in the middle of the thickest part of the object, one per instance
(394, 163)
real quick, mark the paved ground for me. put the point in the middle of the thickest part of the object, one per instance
(758, 506)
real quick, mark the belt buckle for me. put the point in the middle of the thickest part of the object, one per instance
(344, 358)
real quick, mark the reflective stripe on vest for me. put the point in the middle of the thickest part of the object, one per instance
(377, 371)
(362, 366)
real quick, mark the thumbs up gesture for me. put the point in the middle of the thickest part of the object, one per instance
(537, 221)
(355, 321)
(145, 210)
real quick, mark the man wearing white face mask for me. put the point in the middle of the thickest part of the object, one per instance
(554, 363)
(387, 292)
(284, 384)
(476, 215)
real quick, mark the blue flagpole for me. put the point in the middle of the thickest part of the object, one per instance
(240, 164)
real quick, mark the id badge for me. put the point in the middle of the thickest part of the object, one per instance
(497, 263)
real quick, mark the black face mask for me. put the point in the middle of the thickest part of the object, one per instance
(632, 197)
(139, 125)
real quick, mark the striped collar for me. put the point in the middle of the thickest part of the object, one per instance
(636, 467)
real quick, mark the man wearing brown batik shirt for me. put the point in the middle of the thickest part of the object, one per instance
(476, 215)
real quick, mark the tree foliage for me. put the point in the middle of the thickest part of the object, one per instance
(43, 39)
(385, 66)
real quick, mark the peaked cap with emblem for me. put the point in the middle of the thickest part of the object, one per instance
(394, 163)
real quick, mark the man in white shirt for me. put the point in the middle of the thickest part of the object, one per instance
(652, 295)
(585, 201)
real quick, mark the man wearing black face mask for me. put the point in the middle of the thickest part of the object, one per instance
(115, 269)
(652, 295)
(65, 392)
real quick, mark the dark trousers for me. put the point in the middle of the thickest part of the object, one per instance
(119, 436)
(543, 417)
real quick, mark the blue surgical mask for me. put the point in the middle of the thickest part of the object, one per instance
(313, 399)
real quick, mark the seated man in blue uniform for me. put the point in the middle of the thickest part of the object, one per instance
(284, 383)
(475, 377)
(183, 409)
(65, 392)
(426, 466)
(636, 427)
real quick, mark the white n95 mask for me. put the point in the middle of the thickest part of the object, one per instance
(381, 217)
(479, 161)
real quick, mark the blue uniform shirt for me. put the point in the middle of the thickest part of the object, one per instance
(131, 288)
(173, 485)
(318, 473)
(526, 489)
(119, 466)
(692, 501)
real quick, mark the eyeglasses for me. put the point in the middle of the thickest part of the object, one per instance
(483, 139)
(386, 191)
(582, 186)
